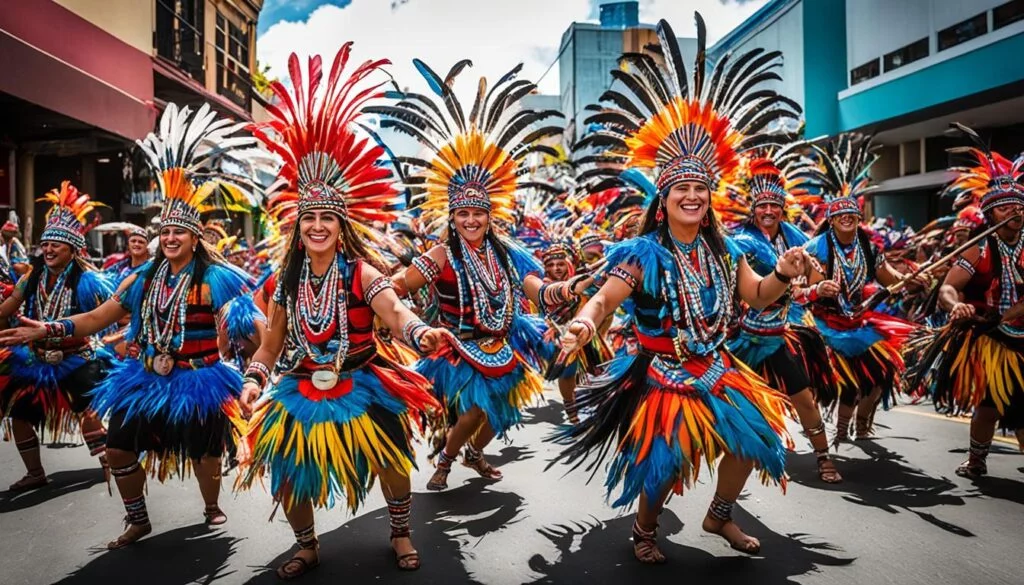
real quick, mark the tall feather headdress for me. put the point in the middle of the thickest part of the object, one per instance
(993, 181)
(68, 220)
(332, 167)
(180, 154)
(476, 158)
(687, 128)
(840, 173)
(765, 176)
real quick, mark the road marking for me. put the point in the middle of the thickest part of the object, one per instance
(957, 419)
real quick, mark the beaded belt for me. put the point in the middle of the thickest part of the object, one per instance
(56, 356)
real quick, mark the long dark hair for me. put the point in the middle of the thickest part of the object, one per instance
(712, 232)
(500, 249)
(862, 238)
(205, 256)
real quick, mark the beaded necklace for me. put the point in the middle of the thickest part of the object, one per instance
(321, 312)
(490, 289)
(1010, 277)
(700, 328)
(852, 274)
(164, 307)
(55, 303)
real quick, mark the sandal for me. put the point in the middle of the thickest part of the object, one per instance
(32, 480)
(645, 545)
(475, 460)
(408, 561)
(214, 515)
(864, 428)
(439, 481)
(972, 469)
(827, 471)
(296, 567)
(128, 538)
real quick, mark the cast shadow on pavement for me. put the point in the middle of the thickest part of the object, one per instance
(602, 552)
(885, 481)
(61, 484)
(446, 527)
(190, 554)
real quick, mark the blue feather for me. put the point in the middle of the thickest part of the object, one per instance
(432, 78)
(240, 318)
(462, 387)
(639, 180)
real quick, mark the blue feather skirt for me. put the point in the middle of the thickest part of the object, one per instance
(326, 446)
(660, 420)
(790, 362)
(178, 407)
(36, 391)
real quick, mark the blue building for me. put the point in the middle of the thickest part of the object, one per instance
(588, 51)
(904, 71)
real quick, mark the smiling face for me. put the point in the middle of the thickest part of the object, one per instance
(687, 202)
(845, 224)
(471, 223)
(768, 216)
(56, 255)
(177, 243)
(320, 231)
(138, 247)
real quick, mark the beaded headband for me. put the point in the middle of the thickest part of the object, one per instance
(556, 252)
(590, 240)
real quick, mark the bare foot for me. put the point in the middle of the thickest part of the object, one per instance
(731, 532)
(406, 555)
(133, 534)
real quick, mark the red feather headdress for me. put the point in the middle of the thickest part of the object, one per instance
(68, 220)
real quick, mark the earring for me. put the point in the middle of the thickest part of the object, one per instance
(301, 245)
(660, 216)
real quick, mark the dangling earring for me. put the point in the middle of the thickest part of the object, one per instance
(301, 245)
(705, 222)
(660, 215)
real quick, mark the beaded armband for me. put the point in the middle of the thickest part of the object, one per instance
(257, 373)
(624, 275)
(376, 287)
(964, 265)
(427, 267)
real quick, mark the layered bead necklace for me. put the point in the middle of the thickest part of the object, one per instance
(321, 312)
(852, 274)
(700, 298)
(1010, 275)
(55, 303)
(490, 288)
(164, 307)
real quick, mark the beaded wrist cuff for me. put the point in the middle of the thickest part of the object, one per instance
(257, 373)
(412, 331)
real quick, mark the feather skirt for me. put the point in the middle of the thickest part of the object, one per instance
(664, 419)
(802, 349)
(328, 446)
(35, 385)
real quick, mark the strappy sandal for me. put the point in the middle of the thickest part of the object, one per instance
(864, 430)
(31, 481)
(407, 562)
(296, 567)
(827, 471)
(475, 460)
(214, 515)
(645, 545)
(972, 469)
(124, 540)
(439, 481)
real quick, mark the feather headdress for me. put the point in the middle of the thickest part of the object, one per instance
(180, 155)
(68, 220)
(476, 158)
(765, 176)
(687, 128)
(332, 167)
(840, 173)
(994, 181)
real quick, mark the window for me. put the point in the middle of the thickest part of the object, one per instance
(1008, 13)
(179, 36)
(864, 72)
(233, 77)
(963, 31)
(907, 54)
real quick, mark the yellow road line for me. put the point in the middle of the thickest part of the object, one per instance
(958, 419)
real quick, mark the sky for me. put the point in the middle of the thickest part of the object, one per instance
(495, 34)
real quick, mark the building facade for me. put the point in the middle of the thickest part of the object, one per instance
(902, 71)
(83, 79)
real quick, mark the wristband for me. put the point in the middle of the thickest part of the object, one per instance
(257, 373)
(782, 277)
(587, 323)
(412, 331)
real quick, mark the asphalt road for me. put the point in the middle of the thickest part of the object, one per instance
(902, 516)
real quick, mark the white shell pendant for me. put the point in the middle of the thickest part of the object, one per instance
(324, 379)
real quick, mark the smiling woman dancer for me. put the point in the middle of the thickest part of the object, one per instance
(170, 397)
(51, 378)
(340, 414)
(683, 398)
(484, 378)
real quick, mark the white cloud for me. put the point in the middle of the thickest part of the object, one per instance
(496, 35)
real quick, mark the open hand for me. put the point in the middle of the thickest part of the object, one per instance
(29, 330)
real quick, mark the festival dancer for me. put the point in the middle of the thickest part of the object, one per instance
(790, 356)
(13, 252)
(976, 359)
(137, 255)
(487, 375)
(172, 397)
(683, 398)
(50, 378)
(340, 414)
(865, 345)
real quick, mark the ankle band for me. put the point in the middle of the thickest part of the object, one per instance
(399, 512)
(720, 509)
(306, 538)
(979, 449)
(135, 511)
